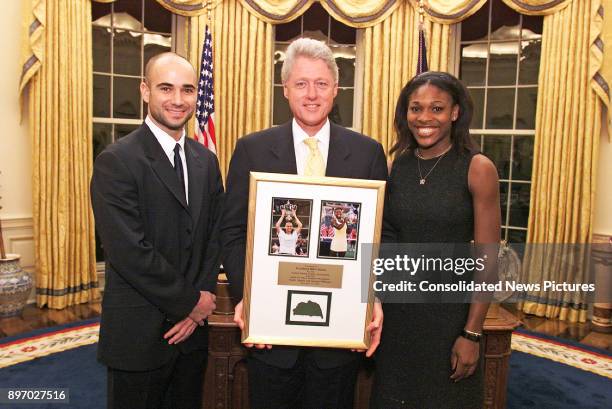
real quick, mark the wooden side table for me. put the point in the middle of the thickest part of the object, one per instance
(498, 328)
(226, 383)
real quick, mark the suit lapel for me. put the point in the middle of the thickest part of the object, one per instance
(283, 150)
(198, 176)
(338, 154)
(161, 165)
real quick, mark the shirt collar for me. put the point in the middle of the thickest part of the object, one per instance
(299, 135)
(166, 141)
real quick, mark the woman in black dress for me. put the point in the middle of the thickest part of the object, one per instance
(441, 190)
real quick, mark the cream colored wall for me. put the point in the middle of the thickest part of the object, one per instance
(602, 222)
(15, 152)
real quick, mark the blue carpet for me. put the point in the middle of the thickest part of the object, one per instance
(75, 369)
(533, 382)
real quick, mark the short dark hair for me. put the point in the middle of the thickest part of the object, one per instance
(460, 130)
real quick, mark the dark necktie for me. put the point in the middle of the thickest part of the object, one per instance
(178, 167)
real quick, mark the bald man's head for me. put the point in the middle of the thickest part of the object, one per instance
(163, 59)
(170, 91)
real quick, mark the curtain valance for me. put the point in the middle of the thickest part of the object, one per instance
(367, 13)
(601, 51)
(455, 11)
(33, 44)
(190, 8)
(360, 13)
(354, 13)
(537, 7)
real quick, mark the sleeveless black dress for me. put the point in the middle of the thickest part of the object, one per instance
(413, 366)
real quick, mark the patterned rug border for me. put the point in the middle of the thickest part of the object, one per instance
(39, 343)
(570, 343)
(570, 355)
(36, 346)
(47, 331)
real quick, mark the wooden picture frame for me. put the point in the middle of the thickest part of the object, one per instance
(304, 299)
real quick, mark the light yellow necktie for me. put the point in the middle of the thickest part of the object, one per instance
(314, 162)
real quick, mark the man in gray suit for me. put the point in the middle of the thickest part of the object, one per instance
(290, 377)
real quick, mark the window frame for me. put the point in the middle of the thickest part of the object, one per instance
(358, 73)
(179, 42)
(178, 22)
(480, 134)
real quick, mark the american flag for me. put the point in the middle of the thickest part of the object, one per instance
(205, 110)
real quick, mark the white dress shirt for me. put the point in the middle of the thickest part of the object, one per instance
(302, 150)
(168, 143)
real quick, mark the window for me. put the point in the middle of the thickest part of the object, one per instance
(500, 59)
(126, 34)
(317, 23)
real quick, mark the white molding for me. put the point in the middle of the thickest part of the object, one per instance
(121, 121)
(101, 280)
(180, 35)
(13, 223)
(18, 235)
(27, 255)
(358, 81)
(454, 59)
(503, 132)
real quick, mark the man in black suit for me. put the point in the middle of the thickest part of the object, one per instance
(290, 377)
(157, 199)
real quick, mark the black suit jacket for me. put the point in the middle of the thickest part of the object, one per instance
(351, 155)
(160, 252)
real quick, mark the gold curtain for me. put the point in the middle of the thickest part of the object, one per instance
(601, 53)
(243, 48)
(60, 117)
(390, 58)
(565, 159)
